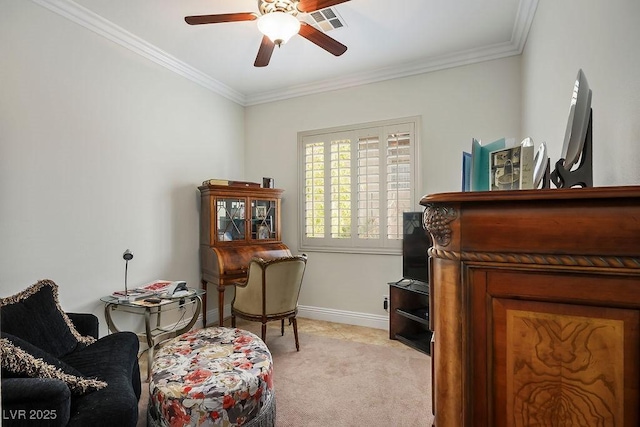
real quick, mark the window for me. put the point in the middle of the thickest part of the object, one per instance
(356, 182)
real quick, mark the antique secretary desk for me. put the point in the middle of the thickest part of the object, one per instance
(237, 222)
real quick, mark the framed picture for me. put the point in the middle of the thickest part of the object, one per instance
(263, 232)
(504, 169)
(261, 212)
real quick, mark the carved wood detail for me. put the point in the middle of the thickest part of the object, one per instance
(539, 259)
(436, 220)
(563, 369)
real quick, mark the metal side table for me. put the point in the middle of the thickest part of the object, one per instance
(155, 334)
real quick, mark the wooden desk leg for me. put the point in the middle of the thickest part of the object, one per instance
(204, 304)
(220, 305)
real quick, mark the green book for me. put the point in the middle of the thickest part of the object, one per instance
(480, 163)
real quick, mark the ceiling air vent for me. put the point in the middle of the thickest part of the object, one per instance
(326, 19)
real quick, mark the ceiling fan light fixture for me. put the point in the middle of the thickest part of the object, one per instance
(278, 26)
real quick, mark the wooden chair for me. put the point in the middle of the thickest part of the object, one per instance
(270, 292)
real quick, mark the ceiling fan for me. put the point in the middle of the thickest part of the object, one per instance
(278, 23)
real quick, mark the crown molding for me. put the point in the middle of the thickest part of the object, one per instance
(90, 20)
(94, 22)
(514, 47)
(458, 59)
(524, 19)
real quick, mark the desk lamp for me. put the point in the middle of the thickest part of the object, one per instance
(127, 256)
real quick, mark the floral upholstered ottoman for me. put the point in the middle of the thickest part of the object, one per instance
(212, 377)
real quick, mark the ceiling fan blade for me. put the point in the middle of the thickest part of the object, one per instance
(224, 17)
(329, 44)
(264, 53)
(308, 6)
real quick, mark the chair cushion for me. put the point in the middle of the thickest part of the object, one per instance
(35, 316)
(50, 396)
(19, 358)
(112, 358)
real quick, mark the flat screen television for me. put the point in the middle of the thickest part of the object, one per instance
(415, 243)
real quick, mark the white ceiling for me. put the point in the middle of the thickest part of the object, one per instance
(385, 39)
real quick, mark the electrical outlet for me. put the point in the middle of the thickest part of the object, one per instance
(385, 303)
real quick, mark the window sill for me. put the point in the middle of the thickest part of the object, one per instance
(353, 251)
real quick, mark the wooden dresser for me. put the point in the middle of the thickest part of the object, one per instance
(535, 307)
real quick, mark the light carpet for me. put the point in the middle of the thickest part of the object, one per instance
(343, 382)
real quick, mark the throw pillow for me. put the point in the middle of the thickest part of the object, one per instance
(17, 361)
(36, 352)
(35, 316)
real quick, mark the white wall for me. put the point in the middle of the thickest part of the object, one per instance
(481, 100)
(602, 38)
(101, 150)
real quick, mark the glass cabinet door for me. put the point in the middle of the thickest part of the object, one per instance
(263, 219)
(230, 219)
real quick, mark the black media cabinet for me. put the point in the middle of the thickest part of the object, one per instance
(409, 314)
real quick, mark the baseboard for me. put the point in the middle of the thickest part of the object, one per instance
(212, 315)
(327, 314)
(342, 316)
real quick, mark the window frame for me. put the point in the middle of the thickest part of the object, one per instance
(383, 245)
